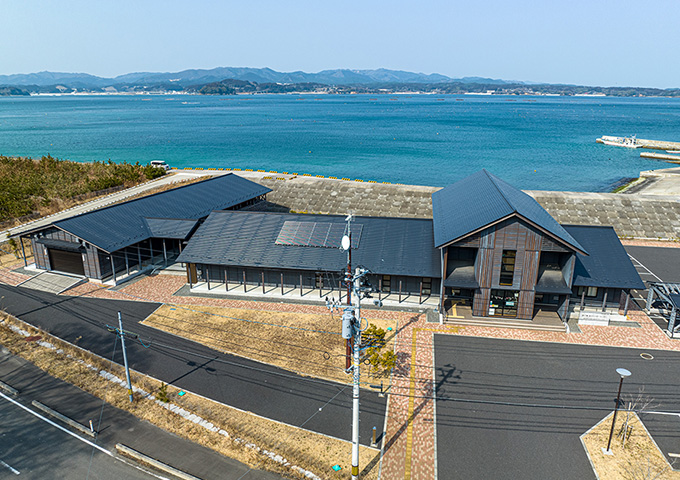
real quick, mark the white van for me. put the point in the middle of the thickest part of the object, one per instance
(160, 164)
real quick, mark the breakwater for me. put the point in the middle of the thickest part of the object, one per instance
(666, 157)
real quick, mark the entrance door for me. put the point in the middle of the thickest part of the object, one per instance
(503, 303)
(65, 261)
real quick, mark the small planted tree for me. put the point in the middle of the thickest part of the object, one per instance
(373, 341)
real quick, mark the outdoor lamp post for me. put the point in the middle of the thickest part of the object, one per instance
(623, 373)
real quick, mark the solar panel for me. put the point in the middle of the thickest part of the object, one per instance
(316, 234)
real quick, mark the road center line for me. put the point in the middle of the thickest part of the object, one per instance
(13, 470)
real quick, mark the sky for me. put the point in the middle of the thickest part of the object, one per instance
(596, 42)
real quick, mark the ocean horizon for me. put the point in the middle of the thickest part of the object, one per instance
(533, 142)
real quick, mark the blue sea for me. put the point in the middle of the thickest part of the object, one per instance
(545, 143)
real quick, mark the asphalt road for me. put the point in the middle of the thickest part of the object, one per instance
(32, 448)
(320, 406)
(115, 426)
(482, 432)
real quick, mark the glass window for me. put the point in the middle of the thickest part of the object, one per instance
(591, 292)
(508, 267)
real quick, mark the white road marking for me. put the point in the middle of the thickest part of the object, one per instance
(94, 445)
(13, 470)
(101, 449)
(647, 269)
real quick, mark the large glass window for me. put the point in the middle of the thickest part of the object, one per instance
(508, 267)
(503, 303)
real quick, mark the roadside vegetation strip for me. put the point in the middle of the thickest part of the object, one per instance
(248, 438)
(640, 458)
(316, 351)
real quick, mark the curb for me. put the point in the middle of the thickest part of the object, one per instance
(134, 454)
(81, 428)
(10, 390)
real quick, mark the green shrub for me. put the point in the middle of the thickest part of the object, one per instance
(27, 185)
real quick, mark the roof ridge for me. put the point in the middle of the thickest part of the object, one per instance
(492, 179)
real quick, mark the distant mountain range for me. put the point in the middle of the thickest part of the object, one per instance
(234, 81)
(259, 75)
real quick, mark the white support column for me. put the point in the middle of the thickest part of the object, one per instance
(441, 288)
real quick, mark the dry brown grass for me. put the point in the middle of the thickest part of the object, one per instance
(11, 259)
(639, 460)
(249, 333)
(308, 450)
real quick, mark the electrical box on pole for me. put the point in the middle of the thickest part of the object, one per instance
(348, 323)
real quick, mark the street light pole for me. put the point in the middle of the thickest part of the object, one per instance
(623, 373)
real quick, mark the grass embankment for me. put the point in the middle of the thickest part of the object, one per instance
(309, 344)
(639, 459)
(311, 451)
(308, 450)
(48, 185)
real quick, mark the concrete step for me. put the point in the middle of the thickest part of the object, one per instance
(504, 323)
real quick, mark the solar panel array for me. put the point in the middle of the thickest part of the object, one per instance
(316, 234)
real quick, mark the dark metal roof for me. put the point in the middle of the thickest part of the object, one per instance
(389, 246)
(121, 225)
(170, 227)
(482, 199)
(608, 264)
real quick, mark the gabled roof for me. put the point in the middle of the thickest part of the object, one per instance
(608, 265)
(124, 224)
(388, 246)
(483, 199)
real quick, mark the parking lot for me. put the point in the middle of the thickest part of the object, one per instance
(516, 409)
(655, 264)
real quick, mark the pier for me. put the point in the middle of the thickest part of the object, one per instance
(650, 144)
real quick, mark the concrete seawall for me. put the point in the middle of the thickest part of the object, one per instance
(637, 215)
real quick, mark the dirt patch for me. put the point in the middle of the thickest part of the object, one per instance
(308, 344)
(639, 459)
(314, 452)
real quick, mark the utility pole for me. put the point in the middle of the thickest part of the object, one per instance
(121, 334)
(351, 327)
(348, 342)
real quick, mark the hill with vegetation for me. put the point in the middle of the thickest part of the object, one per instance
(48, 185)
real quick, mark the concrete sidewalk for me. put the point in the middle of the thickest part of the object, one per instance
(118, 426)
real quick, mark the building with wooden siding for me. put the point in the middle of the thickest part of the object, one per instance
(125, 238)
(503, 254)
(489, 246)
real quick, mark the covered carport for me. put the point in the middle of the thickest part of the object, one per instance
(669, 295)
